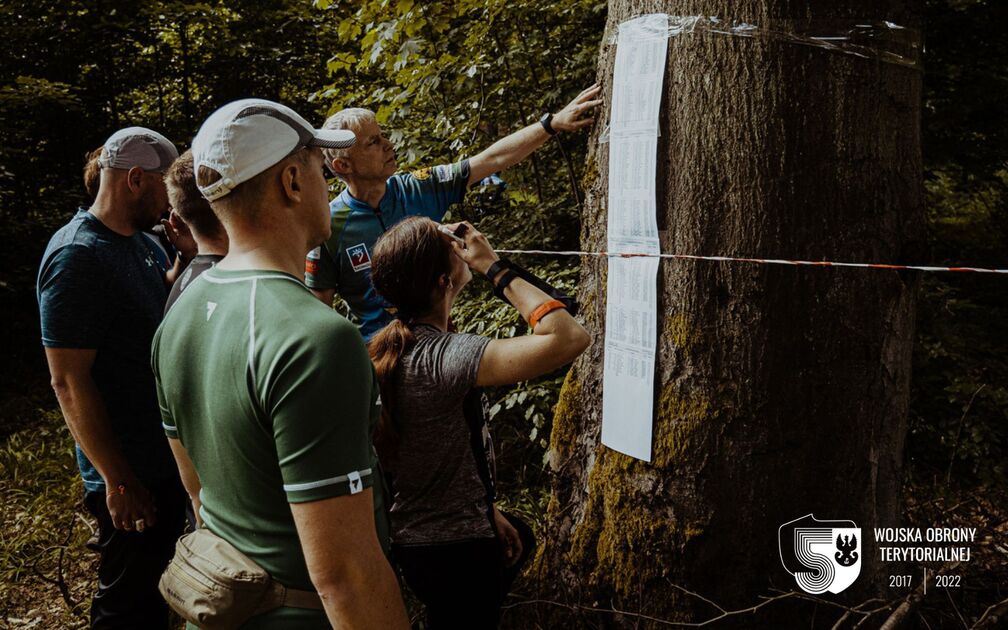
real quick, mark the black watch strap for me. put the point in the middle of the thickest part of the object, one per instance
(505, 280)
(495, 268)
(545, 122)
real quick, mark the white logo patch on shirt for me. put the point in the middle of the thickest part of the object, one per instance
(359, 257)
(355, 482)
(210, 308)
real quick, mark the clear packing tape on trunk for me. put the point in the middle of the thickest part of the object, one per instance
(882, 41)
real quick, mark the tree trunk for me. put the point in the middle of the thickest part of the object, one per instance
(779, 390)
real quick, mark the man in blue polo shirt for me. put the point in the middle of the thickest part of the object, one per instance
(375, 199)
(101, 295)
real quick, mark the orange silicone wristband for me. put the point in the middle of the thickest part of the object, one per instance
(546, 307)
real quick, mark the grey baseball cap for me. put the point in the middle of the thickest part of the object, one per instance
(138, 146)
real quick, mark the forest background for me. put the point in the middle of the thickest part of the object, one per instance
(446, 79)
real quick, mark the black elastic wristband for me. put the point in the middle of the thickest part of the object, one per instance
(505, 280)
(496, 267)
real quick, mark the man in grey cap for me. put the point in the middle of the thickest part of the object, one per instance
(101, 297)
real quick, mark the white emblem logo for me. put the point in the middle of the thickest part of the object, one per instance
(210, 308)
(821, 555)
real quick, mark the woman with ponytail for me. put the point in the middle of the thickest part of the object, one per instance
(457, 552)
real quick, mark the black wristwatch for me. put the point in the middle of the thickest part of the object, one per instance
(545, 122)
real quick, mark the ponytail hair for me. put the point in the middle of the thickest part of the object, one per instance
(406, 265)
(386, 349)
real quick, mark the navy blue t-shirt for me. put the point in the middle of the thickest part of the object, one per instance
(100, 290)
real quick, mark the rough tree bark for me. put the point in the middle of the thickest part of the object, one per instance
(778, 391)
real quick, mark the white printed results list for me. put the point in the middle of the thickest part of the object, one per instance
(631, 300)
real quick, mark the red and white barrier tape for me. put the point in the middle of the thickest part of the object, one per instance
(758, 261)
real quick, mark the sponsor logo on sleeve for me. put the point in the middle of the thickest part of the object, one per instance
(359, 257)
(312, 261)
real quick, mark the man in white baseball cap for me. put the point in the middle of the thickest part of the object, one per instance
(247, 364)
(101, 297)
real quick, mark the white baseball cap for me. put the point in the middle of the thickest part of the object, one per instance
(246, 137)
(138, 146)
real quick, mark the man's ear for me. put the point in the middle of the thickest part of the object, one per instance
(340, 166)
(291, 178)
(134, 178)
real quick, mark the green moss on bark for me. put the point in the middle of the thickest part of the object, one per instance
(676, 419)
(564, 432)
(624, 546)
(678, 330)
(625, 538)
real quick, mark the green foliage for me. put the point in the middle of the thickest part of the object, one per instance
(958, 422)
(448, 78)
(43, 532)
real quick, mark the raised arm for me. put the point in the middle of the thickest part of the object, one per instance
(87, 418)
(555, 341)
(181, 238)
(346, 564)
(514, 148)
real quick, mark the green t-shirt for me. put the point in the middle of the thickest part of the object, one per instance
(273, 396)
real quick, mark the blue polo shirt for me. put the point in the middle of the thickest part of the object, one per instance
(343, 262)
(104, 291)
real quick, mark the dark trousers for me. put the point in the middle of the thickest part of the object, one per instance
(462, 584)
(131, 562)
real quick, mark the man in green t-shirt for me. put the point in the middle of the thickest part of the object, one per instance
(248, 363)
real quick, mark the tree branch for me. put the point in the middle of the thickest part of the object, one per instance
(860, 609)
